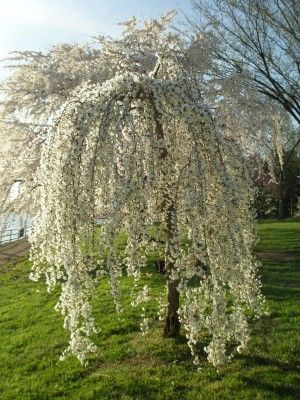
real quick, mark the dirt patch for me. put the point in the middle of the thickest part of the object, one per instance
(279, 256)
(13, 251)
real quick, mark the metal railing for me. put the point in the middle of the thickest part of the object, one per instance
(11, 235)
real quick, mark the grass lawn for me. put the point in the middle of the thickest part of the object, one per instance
(130, 366)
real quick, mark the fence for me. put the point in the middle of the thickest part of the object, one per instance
(11, 235)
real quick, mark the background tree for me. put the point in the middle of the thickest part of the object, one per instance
(260, 39)
(287, 183)
(265, 189)
(273, 197)
(281, 164)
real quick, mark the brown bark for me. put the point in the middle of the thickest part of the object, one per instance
(172, 323)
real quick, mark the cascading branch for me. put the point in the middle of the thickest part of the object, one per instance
(143, 150)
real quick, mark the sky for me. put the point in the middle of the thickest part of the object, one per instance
(37, 24)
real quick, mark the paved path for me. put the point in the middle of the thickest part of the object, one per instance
(14, 250)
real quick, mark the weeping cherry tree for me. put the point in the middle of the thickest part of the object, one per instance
(143, 149)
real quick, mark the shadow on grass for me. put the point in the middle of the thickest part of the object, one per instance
(280, 389)
(254, 361)
(124, 330)
(281, 280)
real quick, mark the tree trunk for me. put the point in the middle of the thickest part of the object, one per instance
(172, 324)
(281, 205)
(281, 208)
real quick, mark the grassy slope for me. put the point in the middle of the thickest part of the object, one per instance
(129, 366)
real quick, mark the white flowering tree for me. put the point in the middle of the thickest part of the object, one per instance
(143, 149)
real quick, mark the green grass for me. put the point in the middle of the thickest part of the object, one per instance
(130, 366)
